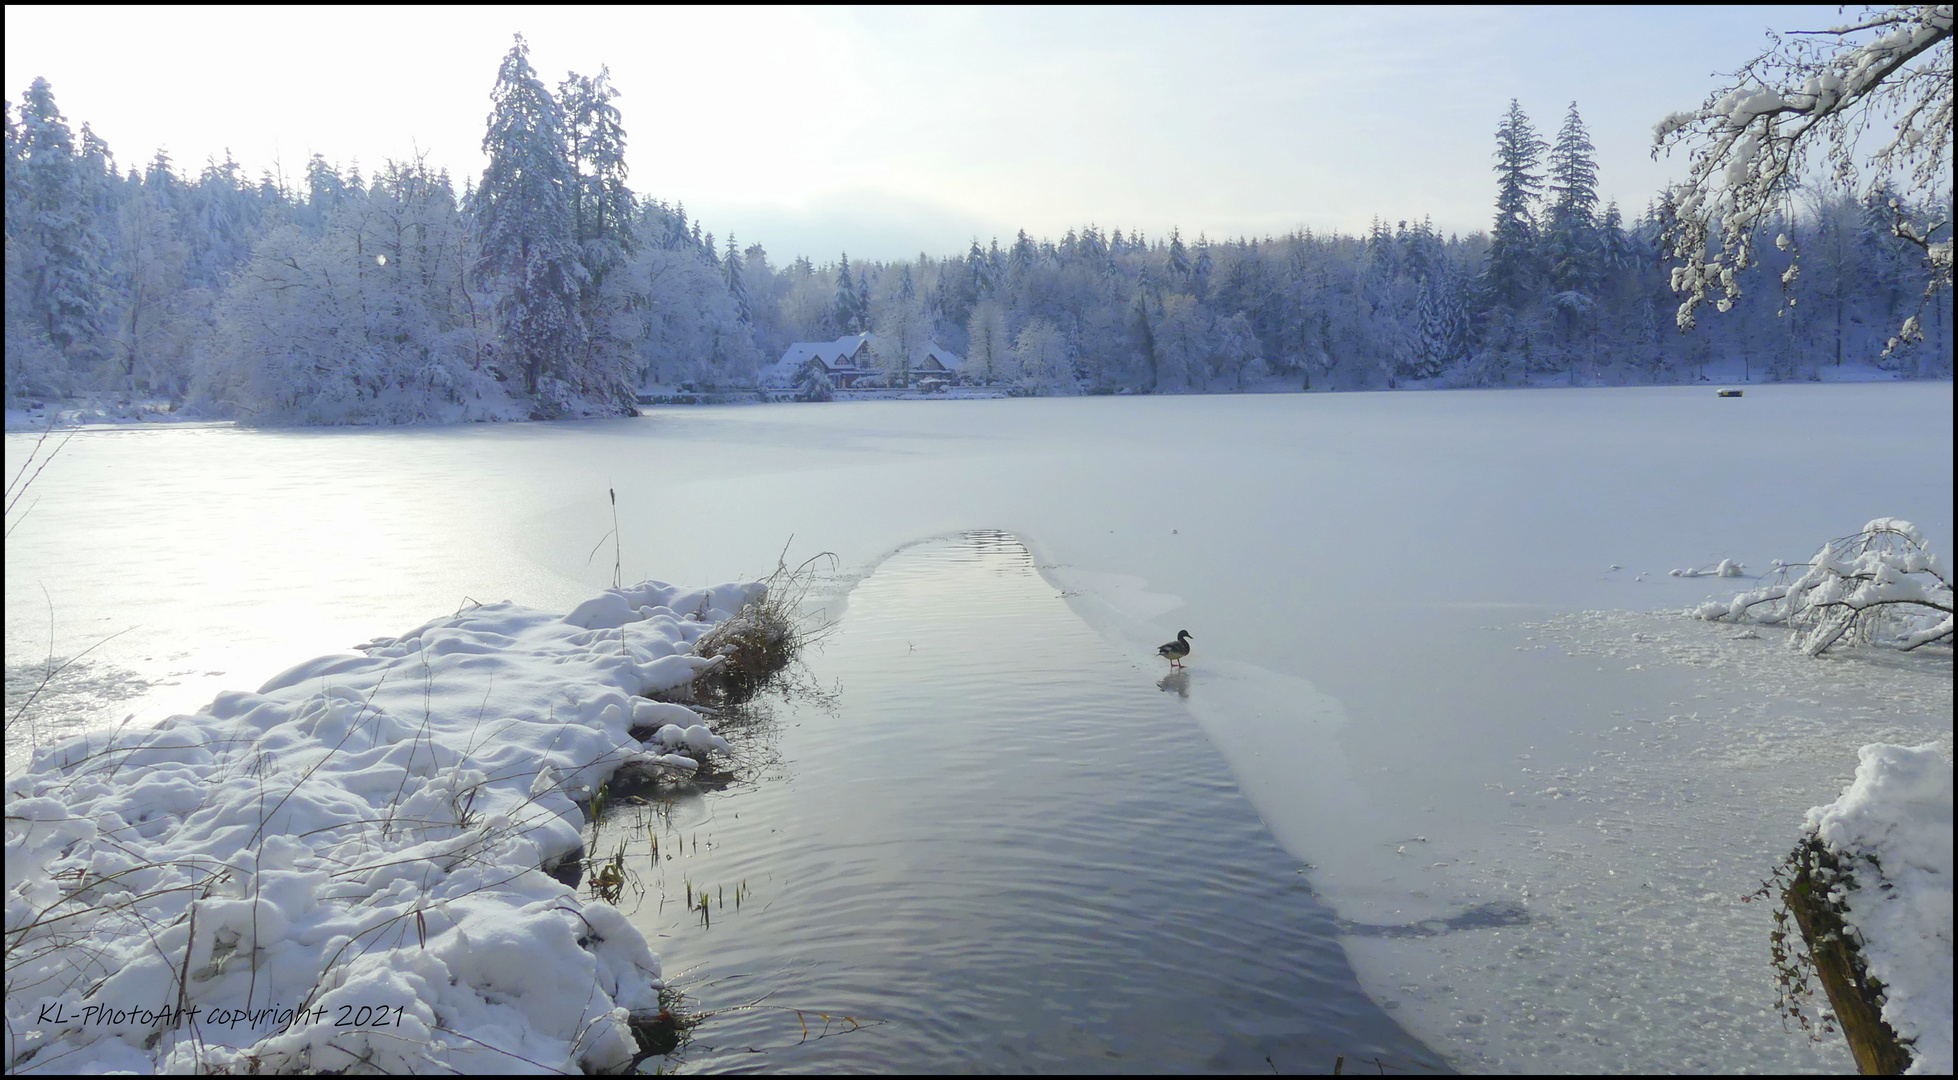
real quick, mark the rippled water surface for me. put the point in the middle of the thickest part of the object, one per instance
(1002, 847)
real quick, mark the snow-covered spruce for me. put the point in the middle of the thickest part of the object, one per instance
(1890, 832)
(1883, 585)
(342, 870)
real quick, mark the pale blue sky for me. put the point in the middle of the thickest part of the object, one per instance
(888, 131)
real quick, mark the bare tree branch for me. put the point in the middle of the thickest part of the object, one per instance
(1750, 142)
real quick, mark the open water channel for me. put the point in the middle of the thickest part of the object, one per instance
(996, 844)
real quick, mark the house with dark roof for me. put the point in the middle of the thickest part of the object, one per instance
(850, 359)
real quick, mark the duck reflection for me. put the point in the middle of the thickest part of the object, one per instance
(1176, 682)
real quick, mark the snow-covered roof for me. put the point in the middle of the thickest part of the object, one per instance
(930, 350)
(946, 358)
(833, 354)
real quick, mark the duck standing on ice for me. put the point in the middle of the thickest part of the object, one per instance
(1176, 650)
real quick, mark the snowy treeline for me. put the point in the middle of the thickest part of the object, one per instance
(550, 288)
(1559, 288)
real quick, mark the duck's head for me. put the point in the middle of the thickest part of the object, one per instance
(1182, 634)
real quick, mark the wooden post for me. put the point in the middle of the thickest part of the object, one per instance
(1855, 996)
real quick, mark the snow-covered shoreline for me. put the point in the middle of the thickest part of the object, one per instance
(109, 411)
(345, 868)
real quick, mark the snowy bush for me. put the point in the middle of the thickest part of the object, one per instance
(814, 384)
(1880, 586)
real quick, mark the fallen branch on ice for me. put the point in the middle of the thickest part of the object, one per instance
(1881, 586)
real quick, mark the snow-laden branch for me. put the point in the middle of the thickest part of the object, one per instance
(1883, 585)
(1750, 141)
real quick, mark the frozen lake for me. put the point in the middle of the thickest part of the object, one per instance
(1387, 594)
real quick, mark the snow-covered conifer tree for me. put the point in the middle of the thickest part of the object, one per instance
(1142, 335)
(1179, 257)
(862, 298)
(844, 315)
(16, 175)
(103, 186)
(62, 249)
(1570, 240)
(602, 212)
(1833, 278)
(1512, 271)
(737, 283)
(767, 292)
(983, 281)
(220, 217)
(1019, 264)
(526, 230)
(1570, 234)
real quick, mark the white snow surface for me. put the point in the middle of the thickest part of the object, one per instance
(353, 854)
(1892, 826)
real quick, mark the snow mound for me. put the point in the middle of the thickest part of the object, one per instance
(343, 869)
(1892, 827)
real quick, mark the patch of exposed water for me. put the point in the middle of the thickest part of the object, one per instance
(997, 845)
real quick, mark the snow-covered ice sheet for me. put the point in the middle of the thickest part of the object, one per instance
(1892, 826)
(353, 855)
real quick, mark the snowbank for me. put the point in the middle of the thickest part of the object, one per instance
(1892, 828)
(342, 870)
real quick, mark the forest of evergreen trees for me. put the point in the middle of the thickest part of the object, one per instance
(548, 287)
